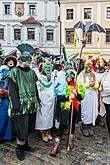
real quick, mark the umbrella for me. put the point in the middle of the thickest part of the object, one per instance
(26, 47)
(79, 25)
(96, 27)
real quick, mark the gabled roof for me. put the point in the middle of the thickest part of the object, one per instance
(31, 20)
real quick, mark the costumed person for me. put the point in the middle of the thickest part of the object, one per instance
(24, 102)
(44, 117)
(60, 73)
(5, 120)
(10, 61)
(89, 105)
(73, 94)
(95, 63)
(101, 108)
(1, 60)
(105, 96)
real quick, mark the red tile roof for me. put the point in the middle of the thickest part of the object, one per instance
(31, 20)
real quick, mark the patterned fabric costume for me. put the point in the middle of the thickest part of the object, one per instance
(72, 96)
(5, 121)
(24, 102)
(27, 102)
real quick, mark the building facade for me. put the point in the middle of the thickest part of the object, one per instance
(95, 11)
(34, 22)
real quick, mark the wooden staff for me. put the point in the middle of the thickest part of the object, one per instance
(71, 120)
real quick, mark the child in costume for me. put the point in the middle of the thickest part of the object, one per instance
(24, 102)
(89, 105)
(73, 94)
(5, 121)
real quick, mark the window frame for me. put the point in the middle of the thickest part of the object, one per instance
(7, 9)
(29, 36)
(71, 31)
(31, 9)
(89, 8)
(107, 12)
(2, 34)
(71, 14)
(15, 39)
(107, 29)
(50, 32)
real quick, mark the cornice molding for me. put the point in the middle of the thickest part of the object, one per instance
(81, 1)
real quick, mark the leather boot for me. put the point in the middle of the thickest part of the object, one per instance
(20, 152)
(90, 129)
(49, 135)
(85, 130)
(27, 147)
(45, 136)
(71, 141)
(55, 147)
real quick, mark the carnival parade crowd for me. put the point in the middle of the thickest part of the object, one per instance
(39, 93)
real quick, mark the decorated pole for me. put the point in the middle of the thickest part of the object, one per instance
(83, 46)
(71, 120)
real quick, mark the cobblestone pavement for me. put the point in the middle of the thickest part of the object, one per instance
(87, 151)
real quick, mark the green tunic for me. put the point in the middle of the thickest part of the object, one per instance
(26, 82)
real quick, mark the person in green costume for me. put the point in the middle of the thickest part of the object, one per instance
(24, 102)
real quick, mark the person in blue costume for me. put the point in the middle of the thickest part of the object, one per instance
(5, 120)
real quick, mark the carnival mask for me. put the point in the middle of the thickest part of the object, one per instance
(70, 76)
(88, 67)
(47, 69)
(10, 64)
(4, 69)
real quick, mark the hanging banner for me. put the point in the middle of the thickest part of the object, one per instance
(75, 40)
(19, 9)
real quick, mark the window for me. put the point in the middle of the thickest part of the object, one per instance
(49, 35)
(69, 14)
(69, 36)
(32, 9)
(7, 9)
(88, 36)
(31, 34)
(1, 34)
(107, 35)
(87, 13)
(17, 34)
(108, 12)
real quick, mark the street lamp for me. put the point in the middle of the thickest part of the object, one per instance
(59, 20)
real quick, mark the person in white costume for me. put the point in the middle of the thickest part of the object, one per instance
(89, 105)
(101, 108)
(44, 117)
(105, 94)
